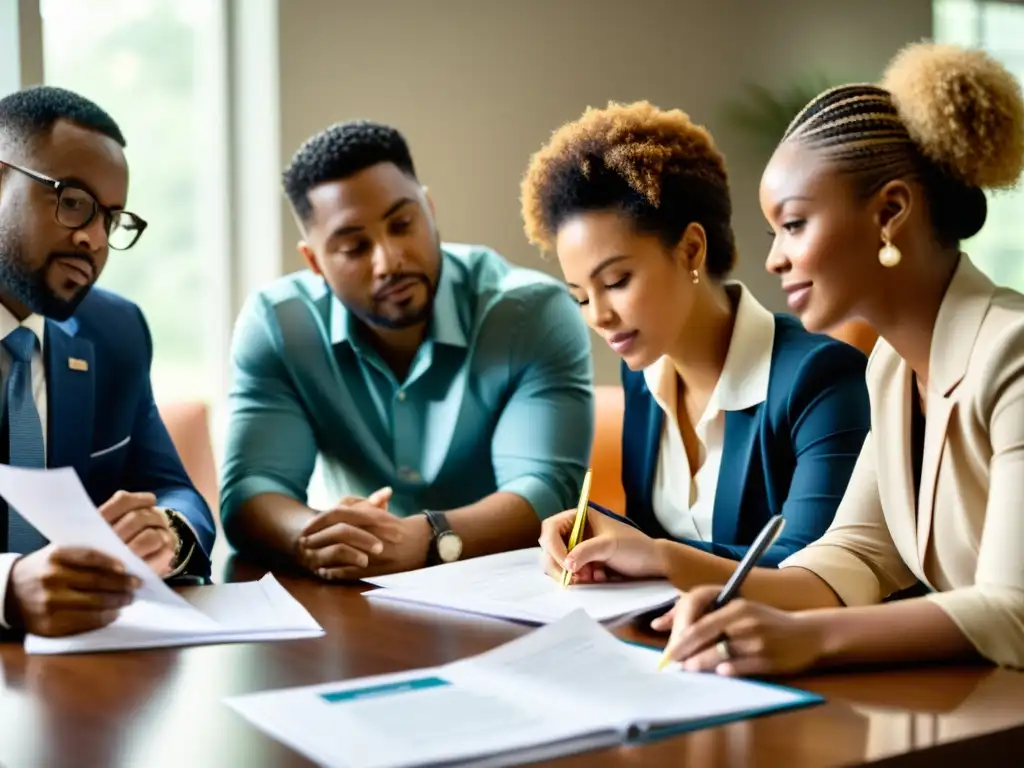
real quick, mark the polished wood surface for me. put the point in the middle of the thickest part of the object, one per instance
(164, 707)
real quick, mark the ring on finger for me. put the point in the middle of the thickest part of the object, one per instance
(724, 651)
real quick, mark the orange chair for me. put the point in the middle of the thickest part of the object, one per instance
(189, 426)
(858, 333)
(606, 454)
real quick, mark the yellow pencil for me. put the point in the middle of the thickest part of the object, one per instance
(580, 523)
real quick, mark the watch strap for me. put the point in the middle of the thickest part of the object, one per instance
(439, 526)
(438, 522)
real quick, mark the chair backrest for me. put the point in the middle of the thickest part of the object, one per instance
(188, 423)
(858, 333)
(606, 454)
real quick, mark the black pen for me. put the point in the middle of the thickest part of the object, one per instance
(613, 515)
(764, 540)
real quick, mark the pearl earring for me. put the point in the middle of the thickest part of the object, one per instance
(888, 255)
(695, 275)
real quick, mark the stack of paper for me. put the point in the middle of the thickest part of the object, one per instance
(565, 688)
(512, 585)
(55, 502)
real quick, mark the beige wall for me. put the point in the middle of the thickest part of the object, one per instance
(477, 85)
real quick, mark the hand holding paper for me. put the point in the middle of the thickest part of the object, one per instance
(66, 590)
(56, 504)
(145, 529)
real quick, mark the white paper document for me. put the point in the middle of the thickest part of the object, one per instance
(56, 503)
(511, 585)
(249, 611)
(567, 687)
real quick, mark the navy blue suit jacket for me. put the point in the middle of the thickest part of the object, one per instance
(791, 454)
(103, 421)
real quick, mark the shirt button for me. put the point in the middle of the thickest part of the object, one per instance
(401, 395)
(410, 475)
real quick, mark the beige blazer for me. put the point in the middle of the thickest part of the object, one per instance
(966, 540)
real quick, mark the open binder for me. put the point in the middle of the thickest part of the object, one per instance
(565, 688)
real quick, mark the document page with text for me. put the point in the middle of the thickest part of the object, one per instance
(511, 585)
(517, 702)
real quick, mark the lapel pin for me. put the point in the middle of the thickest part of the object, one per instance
(76, 364)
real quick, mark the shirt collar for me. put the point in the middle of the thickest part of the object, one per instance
(744, 379)
(447, 319)
(35, 323)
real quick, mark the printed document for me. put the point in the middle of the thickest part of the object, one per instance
(56, 503)
(567, 687)
(511, 585)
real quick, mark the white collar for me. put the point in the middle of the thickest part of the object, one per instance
(748, 363)
(35, 323)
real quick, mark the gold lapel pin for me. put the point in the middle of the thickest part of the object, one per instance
(76, 364)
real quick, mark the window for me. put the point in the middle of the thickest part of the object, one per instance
(155, 65)
(998, 27)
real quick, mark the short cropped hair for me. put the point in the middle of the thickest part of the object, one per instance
(338, 152)
(31, 113)
(950, 118)
(656, 167)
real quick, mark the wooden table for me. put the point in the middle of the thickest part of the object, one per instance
(163, 707)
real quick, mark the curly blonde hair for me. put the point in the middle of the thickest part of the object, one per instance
(951, 117)
(655, 166)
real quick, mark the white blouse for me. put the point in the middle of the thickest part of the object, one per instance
(684, 501)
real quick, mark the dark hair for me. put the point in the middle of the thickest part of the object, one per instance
(30, 113)
(338, 152)
(656, 167)
(950, 118)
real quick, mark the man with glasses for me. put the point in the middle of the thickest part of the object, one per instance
(75, 364)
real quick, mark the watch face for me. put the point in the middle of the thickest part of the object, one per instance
(449, 547)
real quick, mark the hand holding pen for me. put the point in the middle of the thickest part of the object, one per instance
(716, 630)
(611, 547)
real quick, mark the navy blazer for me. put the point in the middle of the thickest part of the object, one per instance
(102, 419)
(791, 454)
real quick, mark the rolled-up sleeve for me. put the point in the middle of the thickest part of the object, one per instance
(991, 612)
(270, 447)
(543, 435)
(856, 556)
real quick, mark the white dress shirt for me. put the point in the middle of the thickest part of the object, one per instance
(684, 501)
(36, 324)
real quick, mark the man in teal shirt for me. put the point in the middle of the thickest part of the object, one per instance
(447, 393)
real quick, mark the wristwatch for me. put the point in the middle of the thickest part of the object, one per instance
(446, 546)
(185, 537)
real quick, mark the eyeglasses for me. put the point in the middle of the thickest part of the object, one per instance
(77, 208)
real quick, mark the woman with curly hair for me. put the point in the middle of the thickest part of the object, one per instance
(732, 414)
(869, 195)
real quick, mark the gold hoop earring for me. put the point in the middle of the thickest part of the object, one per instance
(888, 255)
(696, 276)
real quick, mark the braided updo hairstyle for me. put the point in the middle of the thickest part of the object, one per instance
(948, 117)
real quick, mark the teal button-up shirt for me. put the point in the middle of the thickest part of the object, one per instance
(498, 397)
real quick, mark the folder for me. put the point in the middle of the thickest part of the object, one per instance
(565, 688)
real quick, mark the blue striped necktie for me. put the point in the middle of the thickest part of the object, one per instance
(26, 432)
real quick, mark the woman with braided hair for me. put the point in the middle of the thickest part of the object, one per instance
(868, 196)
